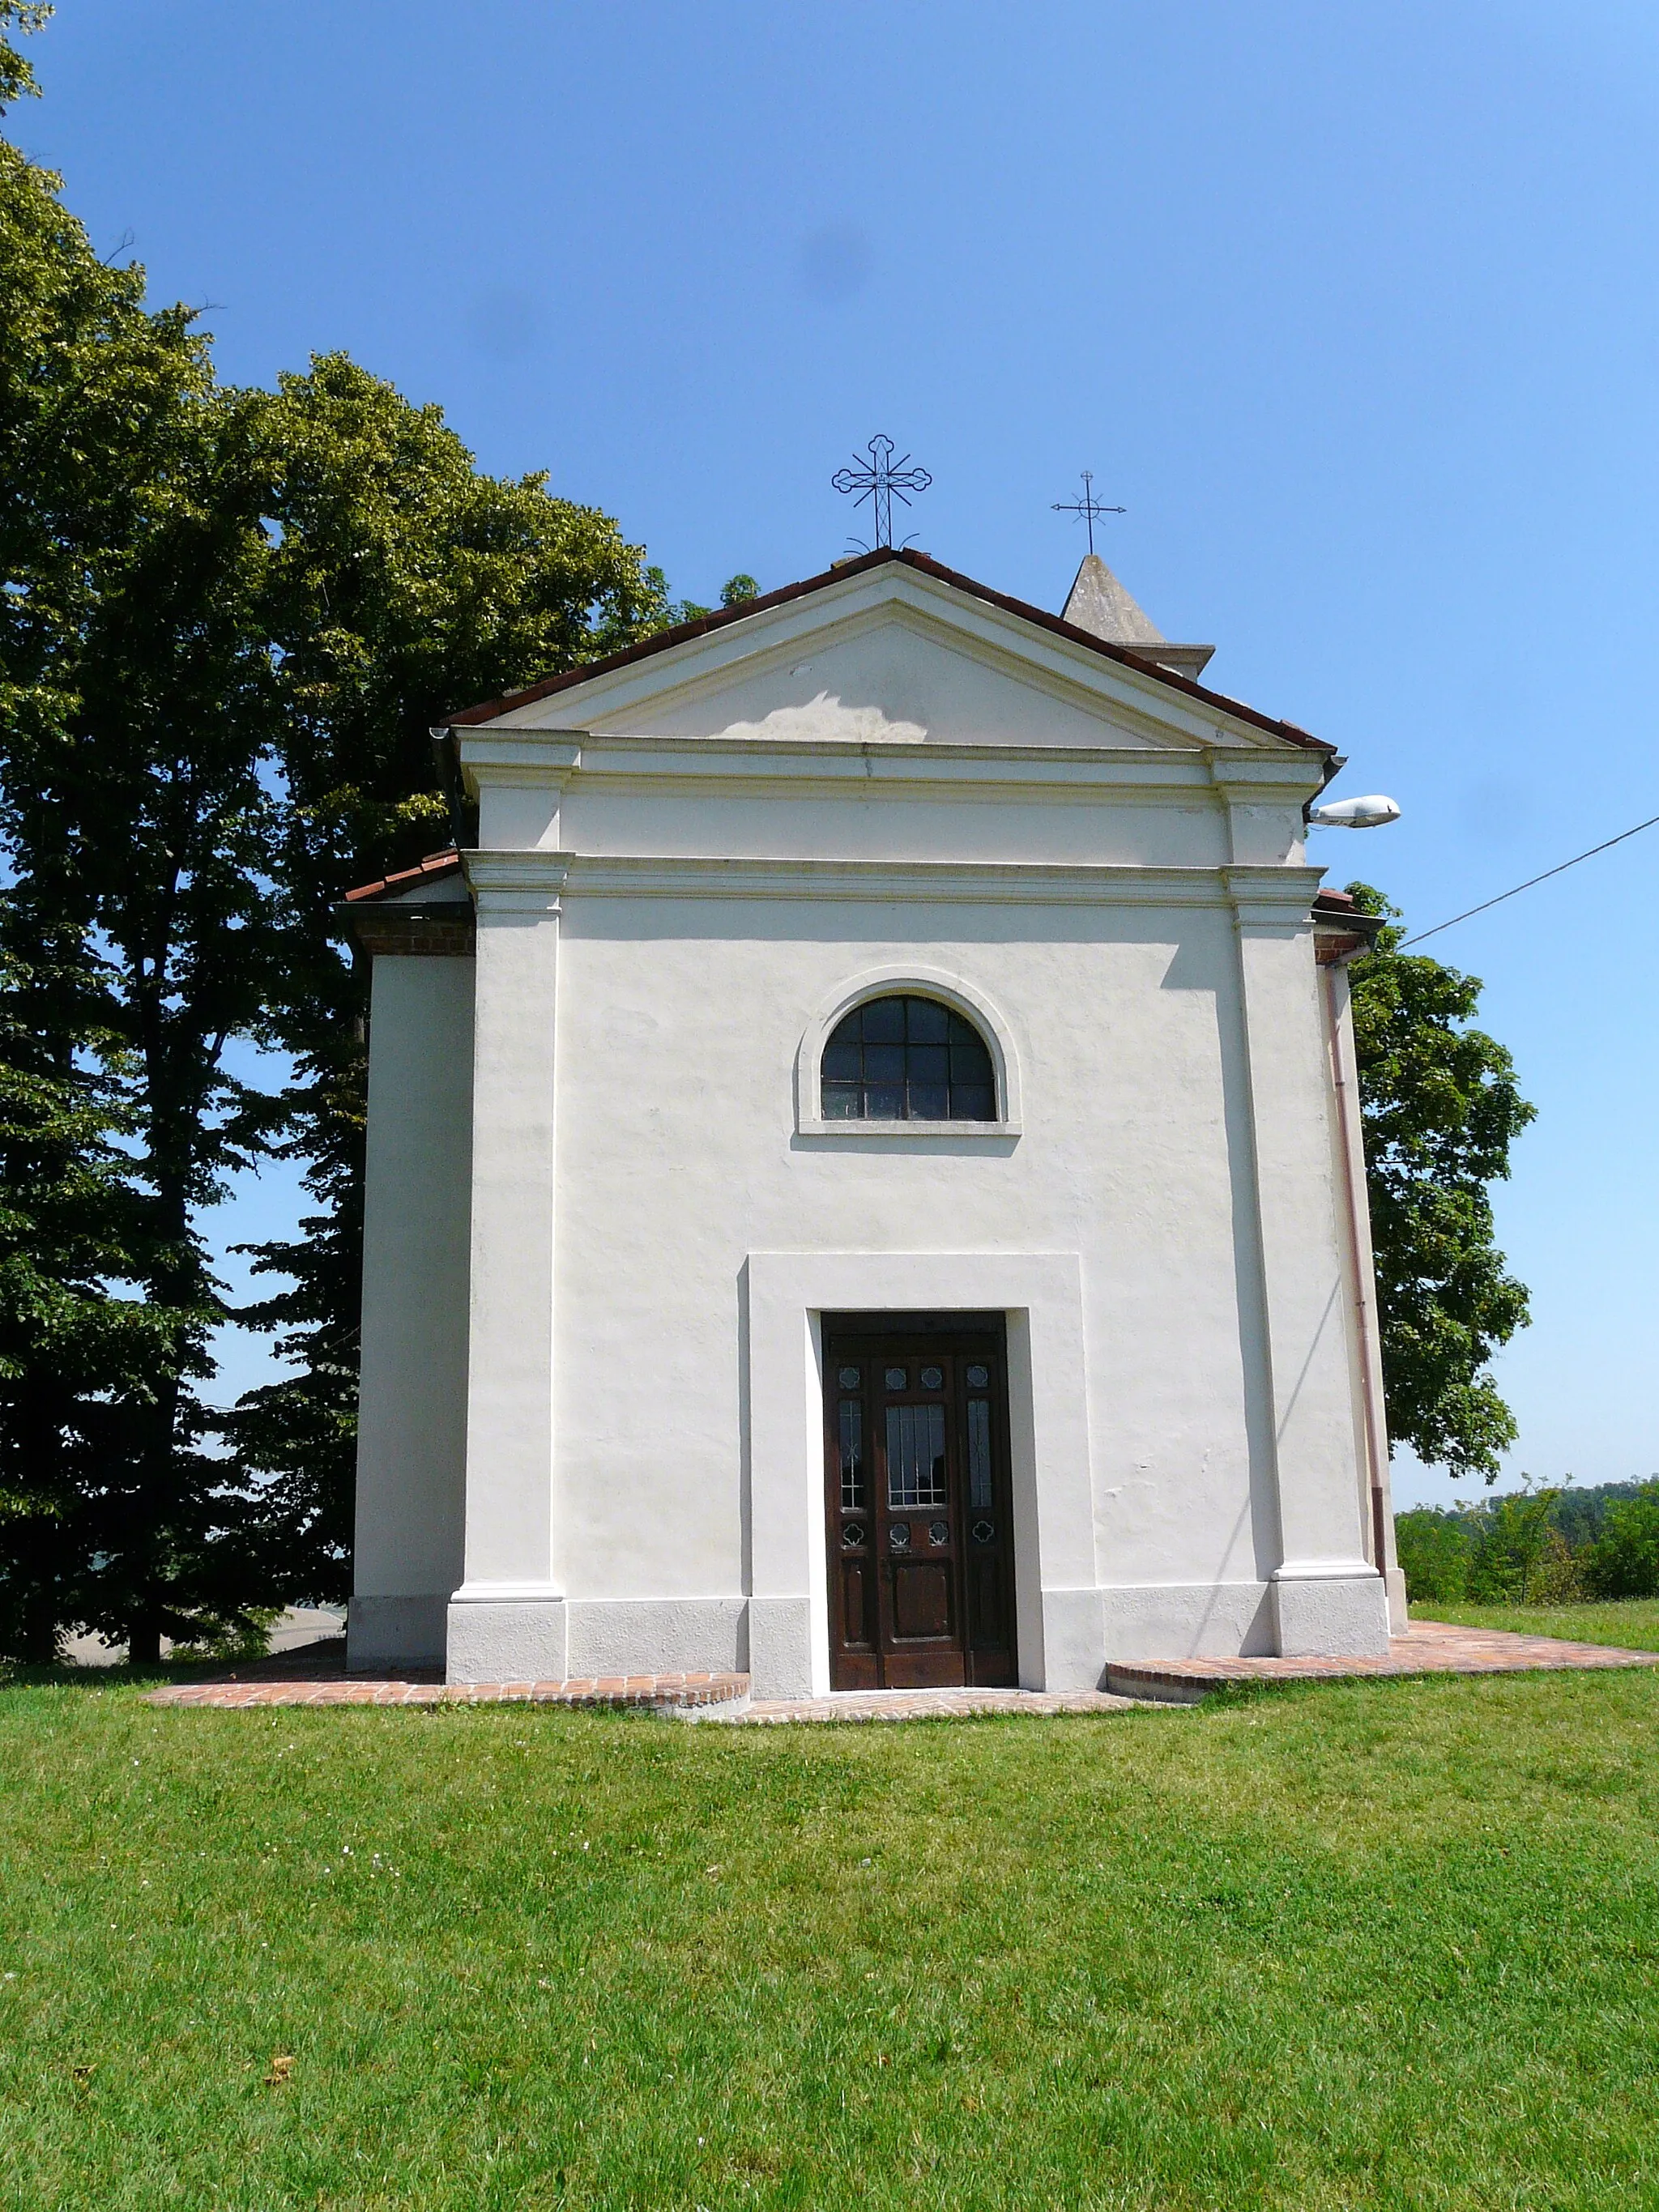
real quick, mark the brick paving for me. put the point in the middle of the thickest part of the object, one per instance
(1428, 1647)
(313, 1677)
(918, 1705)
(658, 1693)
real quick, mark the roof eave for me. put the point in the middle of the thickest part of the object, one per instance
(683, 633)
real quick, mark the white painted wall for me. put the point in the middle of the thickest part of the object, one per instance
(411, 1443)
(670, 894)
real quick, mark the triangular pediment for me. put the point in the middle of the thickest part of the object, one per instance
(890, 655)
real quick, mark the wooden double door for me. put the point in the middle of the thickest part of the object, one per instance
(920, 1537)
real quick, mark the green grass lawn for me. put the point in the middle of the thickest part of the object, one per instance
(1632, 1622)
(1391, 1943)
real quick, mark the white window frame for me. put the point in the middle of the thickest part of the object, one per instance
(963, 997)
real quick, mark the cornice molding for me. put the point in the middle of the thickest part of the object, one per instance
(1275, 896)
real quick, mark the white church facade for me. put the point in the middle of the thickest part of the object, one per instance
(864, 1171)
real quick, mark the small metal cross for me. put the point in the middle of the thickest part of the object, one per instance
(1088, 506)
(881, 480)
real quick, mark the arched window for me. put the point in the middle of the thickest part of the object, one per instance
(907, 1059)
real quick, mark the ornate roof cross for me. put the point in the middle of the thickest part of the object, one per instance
(1088, 506)
(881, 480)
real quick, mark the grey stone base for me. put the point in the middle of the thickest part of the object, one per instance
(1323, 1615)
(511, 1640)
(387, 1635)
(1302, 1612)
(780, 1647)
(1188, 1620)
(658, 1636)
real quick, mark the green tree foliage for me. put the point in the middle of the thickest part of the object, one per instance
(738, 590)
(228, 622)
(1441, 1111)
(79, 1348)
(1623, 1561)
(132, 813)
(1535, 1545)
(401, 584)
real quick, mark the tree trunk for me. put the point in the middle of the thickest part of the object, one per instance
(145, 1640)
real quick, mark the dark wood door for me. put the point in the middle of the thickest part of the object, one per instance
(919, 1530)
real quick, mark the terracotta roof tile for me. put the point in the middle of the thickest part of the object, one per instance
(430, 870)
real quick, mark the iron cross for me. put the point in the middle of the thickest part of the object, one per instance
(1088, 506)
(881, 480)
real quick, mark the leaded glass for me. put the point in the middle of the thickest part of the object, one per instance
(907, 1059)
(979, 1450)
(897, 1378)
(915, 1456)
(851, 1454)
(849, 1378)
(932, 1379)
(978, 1377)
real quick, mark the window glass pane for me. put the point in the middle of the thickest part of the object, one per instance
(929, 1102)
(840, 1062)
(972, 1105)
(884, 1021)
(979, 1451)
(895, 1378)
(851, 1455)
(915, 1456)
(884, 1063)
(841, 1102)
(929, 1063)
(846, 1032)
(928, 1021)
(969, 1063)
(884, 1101)
(961, 1032)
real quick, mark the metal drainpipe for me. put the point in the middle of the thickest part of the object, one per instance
(1364, 1314)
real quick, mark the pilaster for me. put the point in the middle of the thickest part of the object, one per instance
(507, 1621)
(1327, 1596)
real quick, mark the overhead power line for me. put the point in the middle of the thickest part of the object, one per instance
(1561, 867)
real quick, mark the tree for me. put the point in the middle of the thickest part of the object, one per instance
(1441, 1111)
(1624, 1559)
(77, 1360)
(402, 584)
(131, 810)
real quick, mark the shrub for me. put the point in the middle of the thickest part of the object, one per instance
(1435, 1549)
(1624, 1560)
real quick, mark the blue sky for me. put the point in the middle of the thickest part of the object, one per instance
(1354, 309)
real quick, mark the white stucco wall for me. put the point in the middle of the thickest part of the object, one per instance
(411, 1443)
(677, 880)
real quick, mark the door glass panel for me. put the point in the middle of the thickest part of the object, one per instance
(851, 1455)
(915, 1456)
(979, 1452)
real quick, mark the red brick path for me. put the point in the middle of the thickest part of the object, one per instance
(664, 1692)
(1427, 1648)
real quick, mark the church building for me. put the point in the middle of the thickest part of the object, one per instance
(865, 1181)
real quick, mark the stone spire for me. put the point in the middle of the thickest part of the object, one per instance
(1099, 603)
